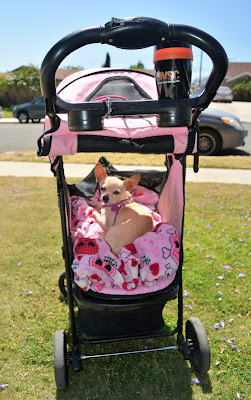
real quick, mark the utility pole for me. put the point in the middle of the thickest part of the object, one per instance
(201, 58)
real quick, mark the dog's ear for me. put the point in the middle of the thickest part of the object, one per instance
(99, 172)
(132, 182)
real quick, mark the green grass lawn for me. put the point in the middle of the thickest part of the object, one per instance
(217, 241)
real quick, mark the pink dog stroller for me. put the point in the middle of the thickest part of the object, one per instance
(116, 110)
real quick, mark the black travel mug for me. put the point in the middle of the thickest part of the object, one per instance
(173, 72)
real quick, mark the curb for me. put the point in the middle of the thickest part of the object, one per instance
(213, 175)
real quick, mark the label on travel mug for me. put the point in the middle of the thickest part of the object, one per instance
(173, 69)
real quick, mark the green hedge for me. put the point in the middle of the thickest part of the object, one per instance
(242, 90)
(19, 86)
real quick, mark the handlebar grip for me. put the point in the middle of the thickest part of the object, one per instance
(140, 32)
(135, 33)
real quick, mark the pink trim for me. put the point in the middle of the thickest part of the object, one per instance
(170, 205)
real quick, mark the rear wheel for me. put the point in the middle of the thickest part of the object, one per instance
(60, 362)
(209, 142)
(23, 117)
(197, 341)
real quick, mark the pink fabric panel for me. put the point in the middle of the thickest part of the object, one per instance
(64, 145)
(78, 90)
(170, 205)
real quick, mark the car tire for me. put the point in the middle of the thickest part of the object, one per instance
(35, 120)
(209, 142)
(23, 117)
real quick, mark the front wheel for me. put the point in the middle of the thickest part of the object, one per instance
(209, 142)
(197, 341)
(60, 362)
(23, 117)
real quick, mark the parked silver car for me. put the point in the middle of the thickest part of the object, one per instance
(219, 130)
(224, 94)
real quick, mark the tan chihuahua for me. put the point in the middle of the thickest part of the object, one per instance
(122, 219)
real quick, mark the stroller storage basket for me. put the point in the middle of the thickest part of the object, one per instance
(107, 315)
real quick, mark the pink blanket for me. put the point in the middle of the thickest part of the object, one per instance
(146, 265)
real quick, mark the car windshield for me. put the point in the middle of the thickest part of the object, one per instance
(224, 89)
(39, 101)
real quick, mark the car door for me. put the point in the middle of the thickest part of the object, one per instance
(38, 108)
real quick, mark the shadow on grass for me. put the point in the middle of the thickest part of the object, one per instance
(159, 375)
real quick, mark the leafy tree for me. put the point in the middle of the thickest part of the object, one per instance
(19, 86)
(107, 63)
(140, 65)
(24, 76)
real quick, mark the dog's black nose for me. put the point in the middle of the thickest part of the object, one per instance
(105, 198)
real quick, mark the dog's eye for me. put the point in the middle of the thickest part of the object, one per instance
(116, 192)
(102, 188)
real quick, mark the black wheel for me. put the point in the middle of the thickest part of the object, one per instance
(197, 341)
(60, 362)
(23, 117)
(209, 142)
(35, 120)
(62, 284)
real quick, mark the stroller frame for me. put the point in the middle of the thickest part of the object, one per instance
(75, 357)
(129, 33)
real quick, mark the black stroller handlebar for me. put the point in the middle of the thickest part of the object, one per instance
(136, 33)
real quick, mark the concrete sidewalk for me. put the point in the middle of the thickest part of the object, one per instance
(26, 169)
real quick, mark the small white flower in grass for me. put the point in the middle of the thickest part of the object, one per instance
(195, 381)
(236, 291)
(18, 265)
(221, 277)
(3, 386)
(216, 363)
(227, 267)
(186, 294)
(217, 325)
(30, 292)
(217, 284)
(241, 275)
(220, 298)
(222, 324)
(231, 321)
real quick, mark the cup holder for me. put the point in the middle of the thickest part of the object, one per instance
(85, 120)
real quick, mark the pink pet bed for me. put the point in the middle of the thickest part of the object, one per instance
(146, 265)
